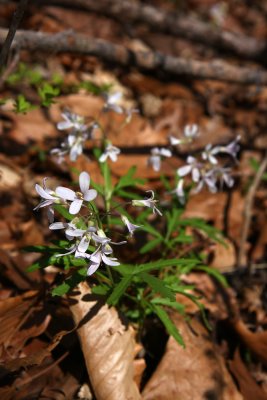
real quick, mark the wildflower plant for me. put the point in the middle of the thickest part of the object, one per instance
(100, 221)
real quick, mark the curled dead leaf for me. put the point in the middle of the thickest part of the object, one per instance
(108, 347)
(197, 372)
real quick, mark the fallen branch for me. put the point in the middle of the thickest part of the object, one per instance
(17, 17)
(173, 23)
(69, 42)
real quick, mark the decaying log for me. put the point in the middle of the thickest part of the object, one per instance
(69, 42)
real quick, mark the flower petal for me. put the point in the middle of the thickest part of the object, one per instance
(75, 206)
(110, 261)
(90, 195)
(83, 245)
(84, 181)
(184, 170)
(43, 193)
(57, 225)
(92, 268)
(65, 193)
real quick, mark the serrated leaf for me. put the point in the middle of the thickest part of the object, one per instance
(213, 272)
(119, 290)
(158, 286)
(149, 229)
(168, 303)
(150, 245)
(70, 283)
(169, 325)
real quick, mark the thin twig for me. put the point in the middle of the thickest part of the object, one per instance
(174, 23)
(69, 42)
(17, 17)
(248, 210)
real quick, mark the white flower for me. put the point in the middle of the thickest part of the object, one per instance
(223, 174)
(112, 101)
(150, 202)
(71, 230)
(131, 227)
(207, 179)
(100, 255)
(49, 198)
(77, 198)
(72, 120)
(179, 191)
(208, 154)
(156, 157)
(111, 152)
(232, 148)
(174, 141)
(190, 133)
(193, 167)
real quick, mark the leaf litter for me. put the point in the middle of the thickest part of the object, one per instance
(40, 360)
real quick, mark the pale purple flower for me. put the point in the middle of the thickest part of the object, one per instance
(193, 166)
(232, 148)
(156, 156)
(179, 191)
(72, 120)
(111, 152)
(150, 202)
(190, 132)
(71, 230)
(207, 179)
(112, 101)
(77, 198)
(209, 154)
(49, 198)
(131, 227)
(100, 255)
(223, 174)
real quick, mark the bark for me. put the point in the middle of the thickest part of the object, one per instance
(173, 23)
(69, 42)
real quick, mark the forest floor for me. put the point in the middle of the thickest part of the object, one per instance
(42, 355)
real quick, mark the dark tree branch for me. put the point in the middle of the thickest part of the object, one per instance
(173, 23)
(17, 17)
(69, 42)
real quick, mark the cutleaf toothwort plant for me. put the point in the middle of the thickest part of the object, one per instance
(97, 218)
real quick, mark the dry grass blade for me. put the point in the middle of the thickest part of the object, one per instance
(108, 348)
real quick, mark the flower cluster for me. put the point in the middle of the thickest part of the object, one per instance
(205, 171)
(80, 132)
(85, 229)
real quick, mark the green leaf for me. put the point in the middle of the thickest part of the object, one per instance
(22, 105)
(169, 325)
(149, 229)
(119, 290)
(102, 290)
(150, 245)
(70, 283)
(213, 272)
(64, 212)
(158, 286)
(163, 264)
(128, 179)
(47, 93)
(168, 303)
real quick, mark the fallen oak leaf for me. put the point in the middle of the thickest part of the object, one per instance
(197, 372)
(248, 386)
(108, 347)
(256, 342)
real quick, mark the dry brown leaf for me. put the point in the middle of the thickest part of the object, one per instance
(195, 373)
(256, 342)
(248, 386)
(108, 348)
